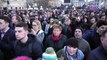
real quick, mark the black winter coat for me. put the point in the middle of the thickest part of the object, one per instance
(57, 45)
(31, 48)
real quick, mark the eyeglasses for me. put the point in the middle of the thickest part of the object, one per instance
(34, 25)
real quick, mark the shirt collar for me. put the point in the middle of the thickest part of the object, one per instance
(5, 30)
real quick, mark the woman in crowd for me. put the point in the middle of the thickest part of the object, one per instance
(56, 39)
(15, 20)
(37, 31)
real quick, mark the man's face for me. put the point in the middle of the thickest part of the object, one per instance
(56, 32)
(78, 33)
(20, 33)
(3, 25)
(104, 41)
(71, 50)
(101, 29)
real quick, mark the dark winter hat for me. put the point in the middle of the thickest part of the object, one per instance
(80, 29)
(72, 42)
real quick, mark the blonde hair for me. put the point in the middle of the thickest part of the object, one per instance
(38, 23)
(55, 26)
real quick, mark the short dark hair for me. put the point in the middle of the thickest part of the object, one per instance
(5, 18)
(103, 33)
(100, 23)
(22, 24)
(72, 42)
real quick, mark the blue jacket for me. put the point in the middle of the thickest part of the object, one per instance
(92, 37)
(98, 54)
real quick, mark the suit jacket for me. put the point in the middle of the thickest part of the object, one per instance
(7, 40)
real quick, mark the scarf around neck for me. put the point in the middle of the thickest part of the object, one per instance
(56, 38)
(73, 57)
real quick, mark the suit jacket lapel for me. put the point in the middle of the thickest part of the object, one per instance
(6, 34)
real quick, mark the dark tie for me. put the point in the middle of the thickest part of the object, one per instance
(2, 34)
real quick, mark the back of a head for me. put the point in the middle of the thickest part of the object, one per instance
(72, 42)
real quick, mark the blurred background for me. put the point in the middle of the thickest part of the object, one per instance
(43, 4)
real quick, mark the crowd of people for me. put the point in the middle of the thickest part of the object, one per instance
(74, 34)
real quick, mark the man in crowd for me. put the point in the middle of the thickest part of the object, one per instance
(7, 36)
(26, 45)
(93, 35)
(100, 53)
(83, 44)
(70, 51)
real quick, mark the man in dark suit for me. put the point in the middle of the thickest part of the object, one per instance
(7, 36)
